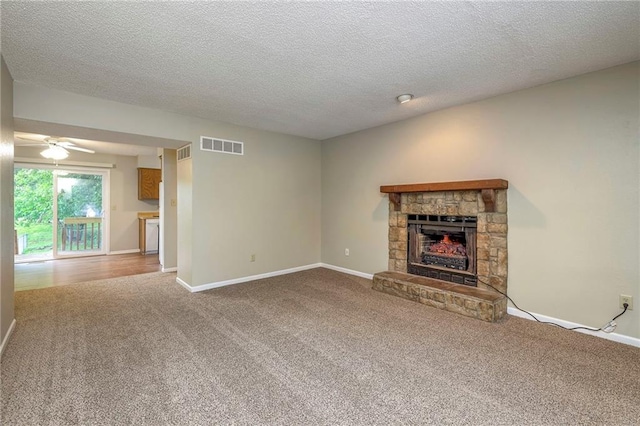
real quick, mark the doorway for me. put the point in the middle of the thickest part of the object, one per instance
(60, 213)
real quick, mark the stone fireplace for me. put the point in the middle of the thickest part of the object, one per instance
(447, 240)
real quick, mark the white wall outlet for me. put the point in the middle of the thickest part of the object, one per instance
(346, 252)
(626, 299)
(253, 258)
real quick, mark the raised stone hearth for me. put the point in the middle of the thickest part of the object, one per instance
(469, 301)
(484, 199)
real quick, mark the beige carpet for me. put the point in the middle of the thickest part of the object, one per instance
(315, 347)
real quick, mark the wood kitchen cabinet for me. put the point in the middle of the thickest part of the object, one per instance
(142, 235)
(149, 183)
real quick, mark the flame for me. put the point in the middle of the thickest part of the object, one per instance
(446, 246)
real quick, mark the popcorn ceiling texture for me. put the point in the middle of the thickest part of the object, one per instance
(317, 69)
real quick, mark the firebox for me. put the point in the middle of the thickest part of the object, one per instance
(443, 247)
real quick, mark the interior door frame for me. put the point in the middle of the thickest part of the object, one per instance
(106, 204)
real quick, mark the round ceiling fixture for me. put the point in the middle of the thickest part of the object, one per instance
(404, 98)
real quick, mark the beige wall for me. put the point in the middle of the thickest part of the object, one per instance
(266, 202)
(123, 204)
(6, 201)
(184, 172)
(570, 152)
(149, 161)
(169, 217)
(124, 198)
(57, 106)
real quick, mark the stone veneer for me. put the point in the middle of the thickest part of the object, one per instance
(462, 299)
(491, 234)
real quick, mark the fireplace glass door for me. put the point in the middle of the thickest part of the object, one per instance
(443, 247)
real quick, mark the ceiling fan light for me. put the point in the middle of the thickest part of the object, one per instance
(55, 153)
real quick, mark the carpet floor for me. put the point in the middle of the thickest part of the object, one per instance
(311, 348)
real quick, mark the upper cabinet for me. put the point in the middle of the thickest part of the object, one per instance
(149, 183)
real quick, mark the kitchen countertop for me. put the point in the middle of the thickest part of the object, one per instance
(148, 215)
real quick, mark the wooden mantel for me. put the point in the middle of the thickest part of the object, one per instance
(486, 187)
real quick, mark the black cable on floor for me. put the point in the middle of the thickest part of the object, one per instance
(553, 323)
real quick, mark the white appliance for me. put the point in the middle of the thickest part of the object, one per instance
(152, 233)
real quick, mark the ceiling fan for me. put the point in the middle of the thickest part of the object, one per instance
(57, 148)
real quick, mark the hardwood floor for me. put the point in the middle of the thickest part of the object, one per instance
(29, 276)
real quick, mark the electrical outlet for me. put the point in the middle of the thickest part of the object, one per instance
(626, 299)
(346, 252)
(253, 258)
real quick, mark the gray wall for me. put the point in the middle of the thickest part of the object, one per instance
(570, 152)
(6, 201)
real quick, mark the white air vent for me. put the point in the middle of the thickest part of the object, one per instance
(221, 145)
(184, 152)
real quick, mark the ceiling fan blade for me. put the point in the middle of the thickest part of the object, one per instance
(30, 143)
(66, 140)
(76, 148)
(25, 139)
(62, 142)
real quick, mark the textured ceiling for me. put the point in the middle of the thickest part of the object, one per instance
(315, 69)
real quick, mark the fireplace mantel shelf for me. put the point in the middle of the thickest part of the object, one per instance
(487, 188)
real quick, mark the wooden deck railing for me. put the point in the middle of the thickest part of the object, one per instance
(85, 233)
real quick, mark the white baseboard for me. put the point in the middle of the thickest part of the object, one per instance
(6, 338)
(620, 338)
(124, 251)
(174, 269)
(347, 271)
(217, 284)
(184, 284)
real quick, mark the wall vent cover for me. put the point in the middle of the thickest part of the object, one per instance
(221, 145)
(184, 152)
